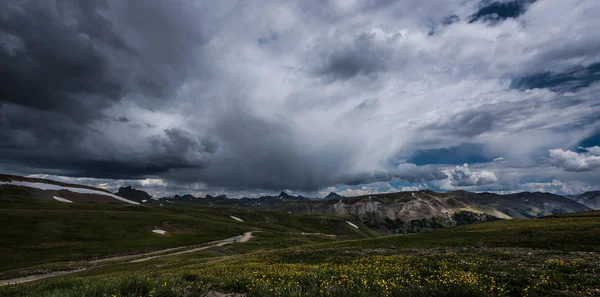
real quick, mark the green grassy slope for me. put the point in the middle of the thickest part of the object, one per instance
(36, 230)
(573, 232)
(507, 258)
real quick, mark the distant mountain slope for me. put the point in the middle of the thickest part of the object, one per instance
(400, 212)
(333, 195)
(404, 212)
(39, 188)
(413, 211)
(408, 206)
(527, 204)
(589, 199)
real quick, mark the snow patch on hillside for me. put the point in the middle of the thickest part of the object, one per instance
(44, 186)
(62, 199)
(236, 218)
(351, 224)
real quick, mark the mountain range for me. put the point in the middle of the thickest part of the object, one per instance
(412, 211)
(400, 212)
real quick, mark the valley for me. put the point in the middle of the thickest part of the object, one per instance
(449, 244)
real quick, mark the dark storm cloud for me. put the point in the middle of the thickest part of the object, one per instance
(451, 19)
(223, 95)
(258, 154)
(568, 81)
(254, 153)
(180, 144)
(59, 58)
(267, 39)
(68, 57)
(112, 169)
(446, 21)
(343, 57)
(63, 63)
(368, 104)
(122, 119)
(472, 122)
(465, 153)
(165, 36)
(404, 172)
(519, 117)
(177, 149)
(497, 11)
(491, 118)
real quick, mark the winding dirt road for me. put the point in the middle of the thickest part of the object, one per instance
(240, 238)
(118, 259)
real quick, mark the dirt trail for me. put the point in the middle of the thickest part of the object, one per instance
(126, 257)
(163, 253)
(35, 277)
(246, 237)
(240, 238)
(318, 234)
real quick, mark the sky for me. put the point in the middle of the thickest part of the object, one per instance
(249, 98)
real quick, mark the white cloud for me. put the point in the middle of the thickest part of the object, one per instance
(557, 186)
(413, 188)
(462, 176)
(595, 150)
(572, 161)
(371, 188)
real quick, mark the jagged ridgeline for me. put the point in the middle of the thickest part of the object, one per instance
(408, 212)
(391, 213)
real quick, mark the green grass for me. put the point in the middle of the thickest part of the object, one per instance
(552, 256)
(540, 257)
(341, 272)
(576, 232)
(37, 231)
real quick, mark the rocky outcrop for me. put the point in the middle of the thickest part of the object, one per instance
(133, 194)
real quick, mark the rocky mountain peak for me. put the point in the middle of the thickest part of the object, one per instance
(333, 195)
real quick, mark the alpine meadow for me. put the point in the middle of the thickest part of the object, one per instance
(328, 148)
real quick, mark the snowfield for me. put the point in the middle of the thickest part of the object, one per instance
(351, 224)
(44, 186)
(236, 218)
(62, 199)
